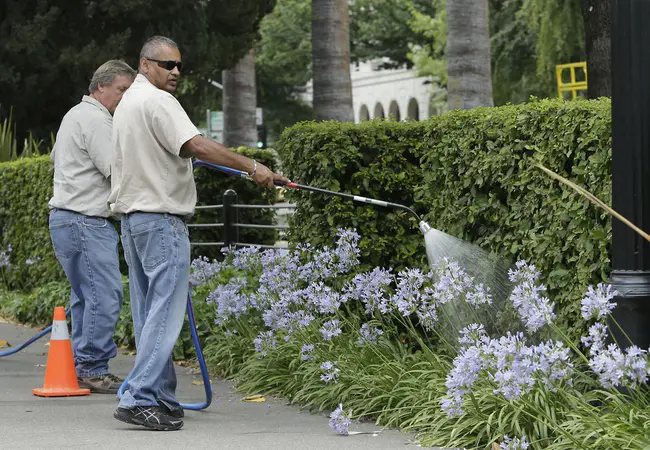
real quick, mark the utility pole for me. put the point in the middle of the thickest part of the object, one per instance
(630, 69)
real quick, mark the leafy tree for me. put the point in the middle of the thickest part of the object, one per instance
(283, 65)
(381, 29)
(514, 62)
(50, 48)
(559, 30)
(429, 58)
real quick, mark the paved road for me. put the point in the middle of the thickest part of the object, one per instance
(29, 422)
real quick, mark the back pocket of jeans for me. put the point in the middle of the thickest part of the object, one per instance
(64, 240)
(95, 222)
(150, 244)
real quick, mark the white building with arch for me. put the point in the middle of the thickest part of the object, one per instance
(394, 94)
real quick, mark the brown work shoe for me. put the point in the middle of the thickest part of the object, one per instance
(103, 384)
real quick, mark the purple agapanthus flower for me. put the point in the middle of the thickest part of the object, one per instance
(202, 270)
(331, 329)
(369, 334)
(452, 282)
(305, 352)
(288, 321)
(595, 342)
(278, 270)
(347, 250)
(4, 256)
(371, 289)
(323, 298)
(534, 309)
(615, 367)
(479, 295)
(327, 262)
(597, 302)
(32, 261)
(275, 316)
(265, 342)
(408, 295)
(514, 367)
(339, 422)
(514, 444)
(229, 300)
(472, 334)
(331, 372)
(246, 257)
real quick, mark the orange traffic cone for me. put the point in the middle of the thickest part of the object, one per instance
(60, 373)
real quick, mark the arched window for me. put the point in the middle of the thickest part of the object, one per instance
(364, 114)
(413, 110)
(379, 111)
(393, 111)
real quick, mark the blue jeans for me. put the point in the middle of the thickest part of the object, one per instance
(86, 247)
(157, 250)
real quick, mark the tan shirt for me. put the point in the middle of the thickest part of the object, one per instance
(148, 175)
(82, 155)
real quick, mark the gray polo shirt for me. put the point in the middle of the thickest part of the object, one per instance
(82, 158)
(148, 173)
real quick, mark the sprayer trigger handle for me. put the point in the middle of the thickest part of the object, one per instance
(289, 184)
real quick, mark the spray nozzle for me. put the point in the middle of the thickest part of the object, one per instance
(424, 227)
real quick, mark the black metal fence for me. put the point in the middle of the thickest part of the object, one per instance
(230, 216)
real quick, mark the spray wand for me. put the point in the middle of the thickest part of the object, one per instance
(424, 227)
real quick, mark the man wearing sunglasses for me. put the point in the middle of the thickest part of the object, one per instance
(153, 191)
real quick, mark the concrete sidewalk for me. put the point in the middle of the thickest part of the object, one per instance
(29, 422)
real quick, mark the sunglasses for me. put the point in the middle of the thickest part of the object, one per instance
(168, 64)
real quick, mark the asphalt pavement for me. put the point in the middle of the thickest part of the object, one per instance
(30, 422)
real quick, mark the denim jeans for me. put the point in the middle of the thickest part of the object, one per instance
(157, 250)
(86, 247)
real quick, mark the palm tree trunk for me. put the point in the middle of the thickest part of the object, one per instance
(469, 71)
(239, 103)
(331, 60)
(597, 16)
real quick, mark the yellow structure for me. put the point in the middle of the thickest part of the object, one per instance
(574, 85)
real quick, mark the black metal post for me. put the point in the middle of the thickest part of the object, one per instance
(230, 215)
(631, 168)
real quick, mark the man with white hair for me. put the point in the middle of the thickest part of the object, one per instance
(83, 236)
(153, 191)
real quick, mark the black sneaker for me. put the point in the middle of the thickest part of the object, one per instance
(148, 416)
(176, 413)
(103, 384)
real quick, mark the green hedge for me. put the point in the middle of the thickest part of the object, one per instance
(471, 174)
(376, 159)
(26, 188)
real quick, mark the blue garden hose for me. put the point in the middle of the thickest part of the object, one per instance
(224, 169)
(30, 341)
(197, 346)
